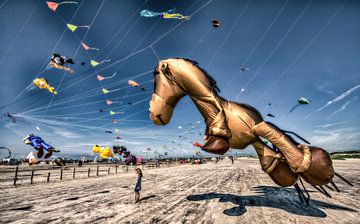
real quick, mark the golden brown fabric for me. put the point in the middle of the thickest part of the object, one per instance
(240, 124)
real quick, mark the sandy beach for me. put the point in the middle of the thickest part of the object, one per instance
(209, 193)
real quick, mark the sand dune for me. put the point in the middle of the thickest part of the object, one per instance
(211, 193)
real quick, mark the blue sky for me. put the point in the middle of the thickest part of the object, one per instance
(292, 49)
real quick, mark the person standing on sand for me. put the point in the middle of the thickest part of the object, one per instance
(137, 185)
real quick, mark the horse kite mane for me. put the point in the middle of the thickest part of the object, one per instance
(195, 63)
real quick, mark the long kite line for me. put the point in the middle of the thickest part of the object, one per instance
(302, 51)
(278, 45)
(161, 37)
(256, 45)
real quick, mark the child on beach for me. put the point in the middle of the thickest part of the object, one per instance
(137, 185)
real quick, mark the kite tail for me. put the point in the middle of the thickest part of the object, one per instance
(103, 61)
(85, 26)
(294, 107)
(52, 90)
(112, 76)
(70, 2)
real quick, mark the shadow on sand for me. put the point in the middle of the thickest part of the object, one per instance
(269, 196)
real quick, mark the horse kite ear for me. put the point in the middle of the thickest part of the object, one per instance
(164, 68)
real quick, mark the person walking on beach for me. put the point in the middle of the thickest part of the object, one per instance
(137, 185)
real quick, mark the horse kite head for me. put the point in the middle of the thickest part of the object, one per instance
(173, 79)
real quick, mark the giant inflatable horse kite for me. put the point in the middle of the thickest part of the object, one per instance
(236, 125)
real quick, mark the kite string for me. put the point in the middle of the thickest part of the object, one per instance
(229, 33)
(257, 44)
(302, 51)
(77, 50)
(46, 61)
(277, 46)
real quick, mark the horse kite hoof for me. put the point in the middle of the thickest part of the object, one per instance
(217, 145)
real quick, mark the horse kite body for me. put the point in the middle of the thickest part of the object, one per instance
(235, 125)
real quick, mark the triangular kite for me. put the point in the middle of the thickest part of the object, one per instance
(95, 63)
(109, 102)
(53, 5)
(86, 47)
(100, 78)
(116, 130)
(73, 27)
(112, 112)
(105, 91)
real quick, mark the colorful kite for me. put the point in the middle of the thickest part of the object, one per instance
(95, 63)
(105, 91)
(86, 47)
(42, 83)
(197, 144)
(301, 101)
(114, 113)
(101, 78)
(53, 5)
(73, 28)
(170, 14)
(243, 69)
(104, 152)
(215, 23)
(134, 84)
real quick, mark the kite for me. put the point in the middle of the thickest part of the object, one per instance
(148, 13)
(59, 161)
(109, 102)
(105, 91)
(12, 117)
(57, 61)
(114, 113)
(301, 101)
(170, 14)
(198, 122)
(197, 152)
(37, 128)
(118, 137)
(134, 84)
(101, 110)
(119, 149)
(215, 23)
(57, 66)
(270, 115)
(37, 143)
(243, 69)
(73, 28)
(61, 60)
(31, 159)
(197, 144)
(86, 47)
(104, 152)
(180, 127)
(95, 63)
(117, 130)
(101, 78)
(53, 5)
(4, 155)
(114, 121)
(109, 132)
(179, 77)
(43, 84)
